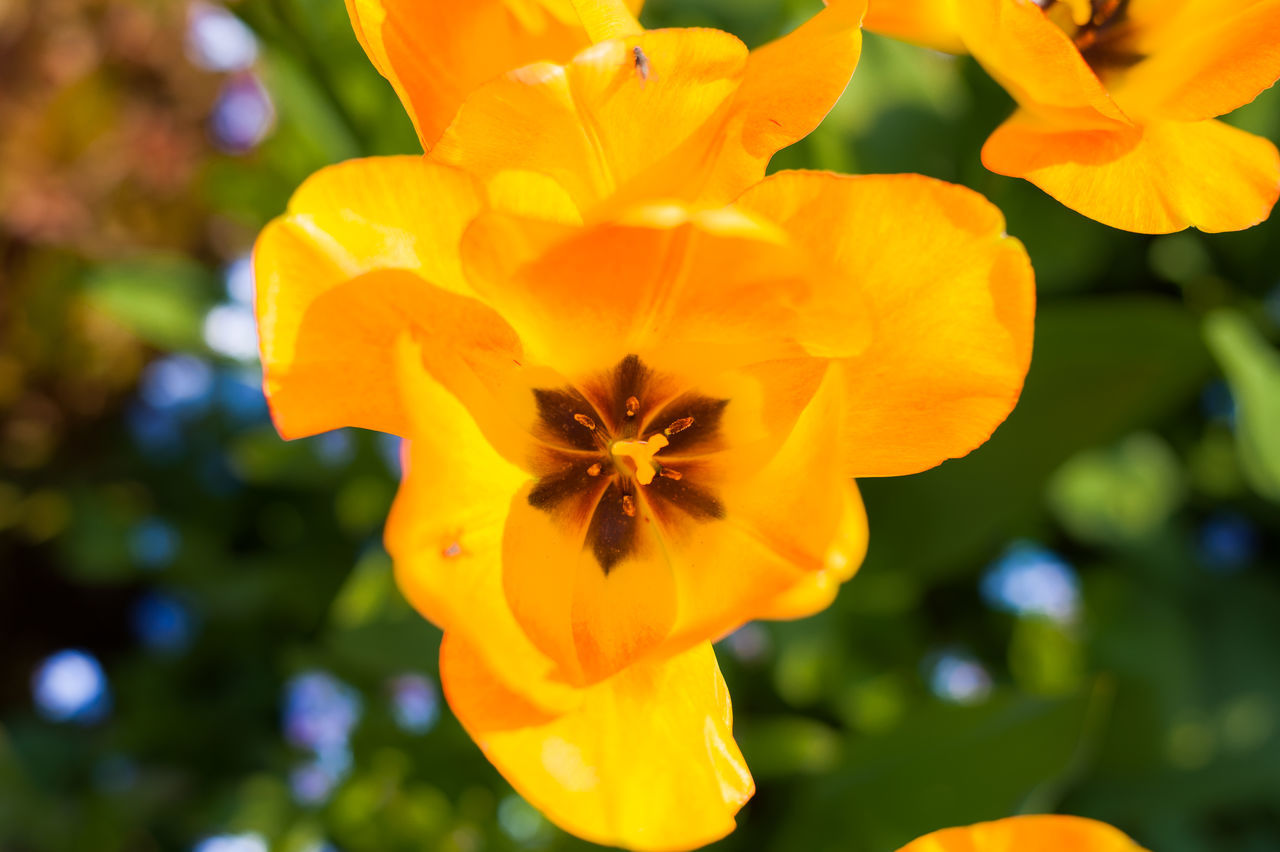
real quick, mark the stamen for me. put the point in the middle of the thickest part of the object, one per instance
(633, 405)
(669, 473)
(628, 506)
(678, 426)
(585, 421)
(594, 470)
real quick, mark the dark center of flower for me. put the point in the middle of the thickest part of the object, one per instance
(1100, 29)
(622, 449)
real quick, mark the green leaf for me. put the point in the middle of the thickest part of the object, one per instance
(1252, 367)
(161, 299)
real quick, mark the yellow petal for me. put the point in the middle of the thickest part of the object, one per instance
(445, 535)
(815, 591)
(646, 761)
(711, 289)
(670, 114)
(931, 23)
(1206, 68)
(1160, 178)
(1027, 834)
(606, 19)
(950, 297)
(435, 53)
(1036, 62)
(365, 249)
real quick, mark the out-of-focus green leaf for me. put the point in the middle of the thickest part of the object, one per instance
(945, 765)
(1252, 367)
(1101, 368)
(790, 745)
(162, 299)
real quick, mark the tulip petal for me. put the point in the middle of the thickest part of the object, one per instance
(712, 288)
(681, 114)
(929, 23)
(646, 761)
(1206, 66)
(436, 53)
(1036, 62)
(365, 249)
(950, 297)
(1025, 833)
(1161, 178)
(445, 535)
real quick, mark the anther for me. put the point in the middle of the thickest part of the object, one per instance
(628, 506)
(670, 474)
(594, 470)
(678, 426)
(633, 405)
(585, 421)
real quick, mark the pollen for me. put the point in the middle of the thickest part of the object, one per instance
(678, 426)
(629, 505)
(594, 470)
(633, 405)
(584, 420)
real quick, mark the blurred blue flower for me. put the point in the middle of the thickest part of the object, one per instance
(162, 622)
(1032, 580)
(749, 643)
(1217, 403)
(1228, 542)
(249, 842)
(217, 40)
(179, 384)
(154, 543)
(242, 115)
(239, 280)
(319, 712)
(958, 678)
(232, 331)
(70, 686)
(415, 703)
(390, 447)
(240, 397)
(335, 448)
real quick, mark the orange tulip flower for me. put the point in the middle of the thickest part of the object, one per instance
(634, 411)
(1028, 834)
(1117, 100)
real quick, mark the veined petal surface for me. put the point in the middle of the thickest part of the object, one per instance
(1155, 179)
(646, 760)
(436, 53)
(680, 114)
(950, 297)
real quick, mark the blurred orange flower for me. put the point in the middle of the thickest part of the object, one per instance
(1117, 100)
(634, 411)
(1028, 834)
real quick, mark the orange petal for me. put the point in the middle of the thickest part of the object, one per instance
(931, 23)
(816, 590)
(688, 116)
(1036, 62)
(445, 535)
(365, 249)
(711, 289)
(951, 300)
(1205, 65)
(435, 53)
(1025, 834)
(1160, 178)
(592, 619)
(646, 761)
(784, 524)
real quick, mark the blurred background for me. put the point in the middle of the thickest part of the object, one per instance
(201, 646)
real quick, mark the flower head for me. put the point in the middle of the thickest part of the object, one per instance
(1117, 101)
(1042, 833)
(634, 409)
